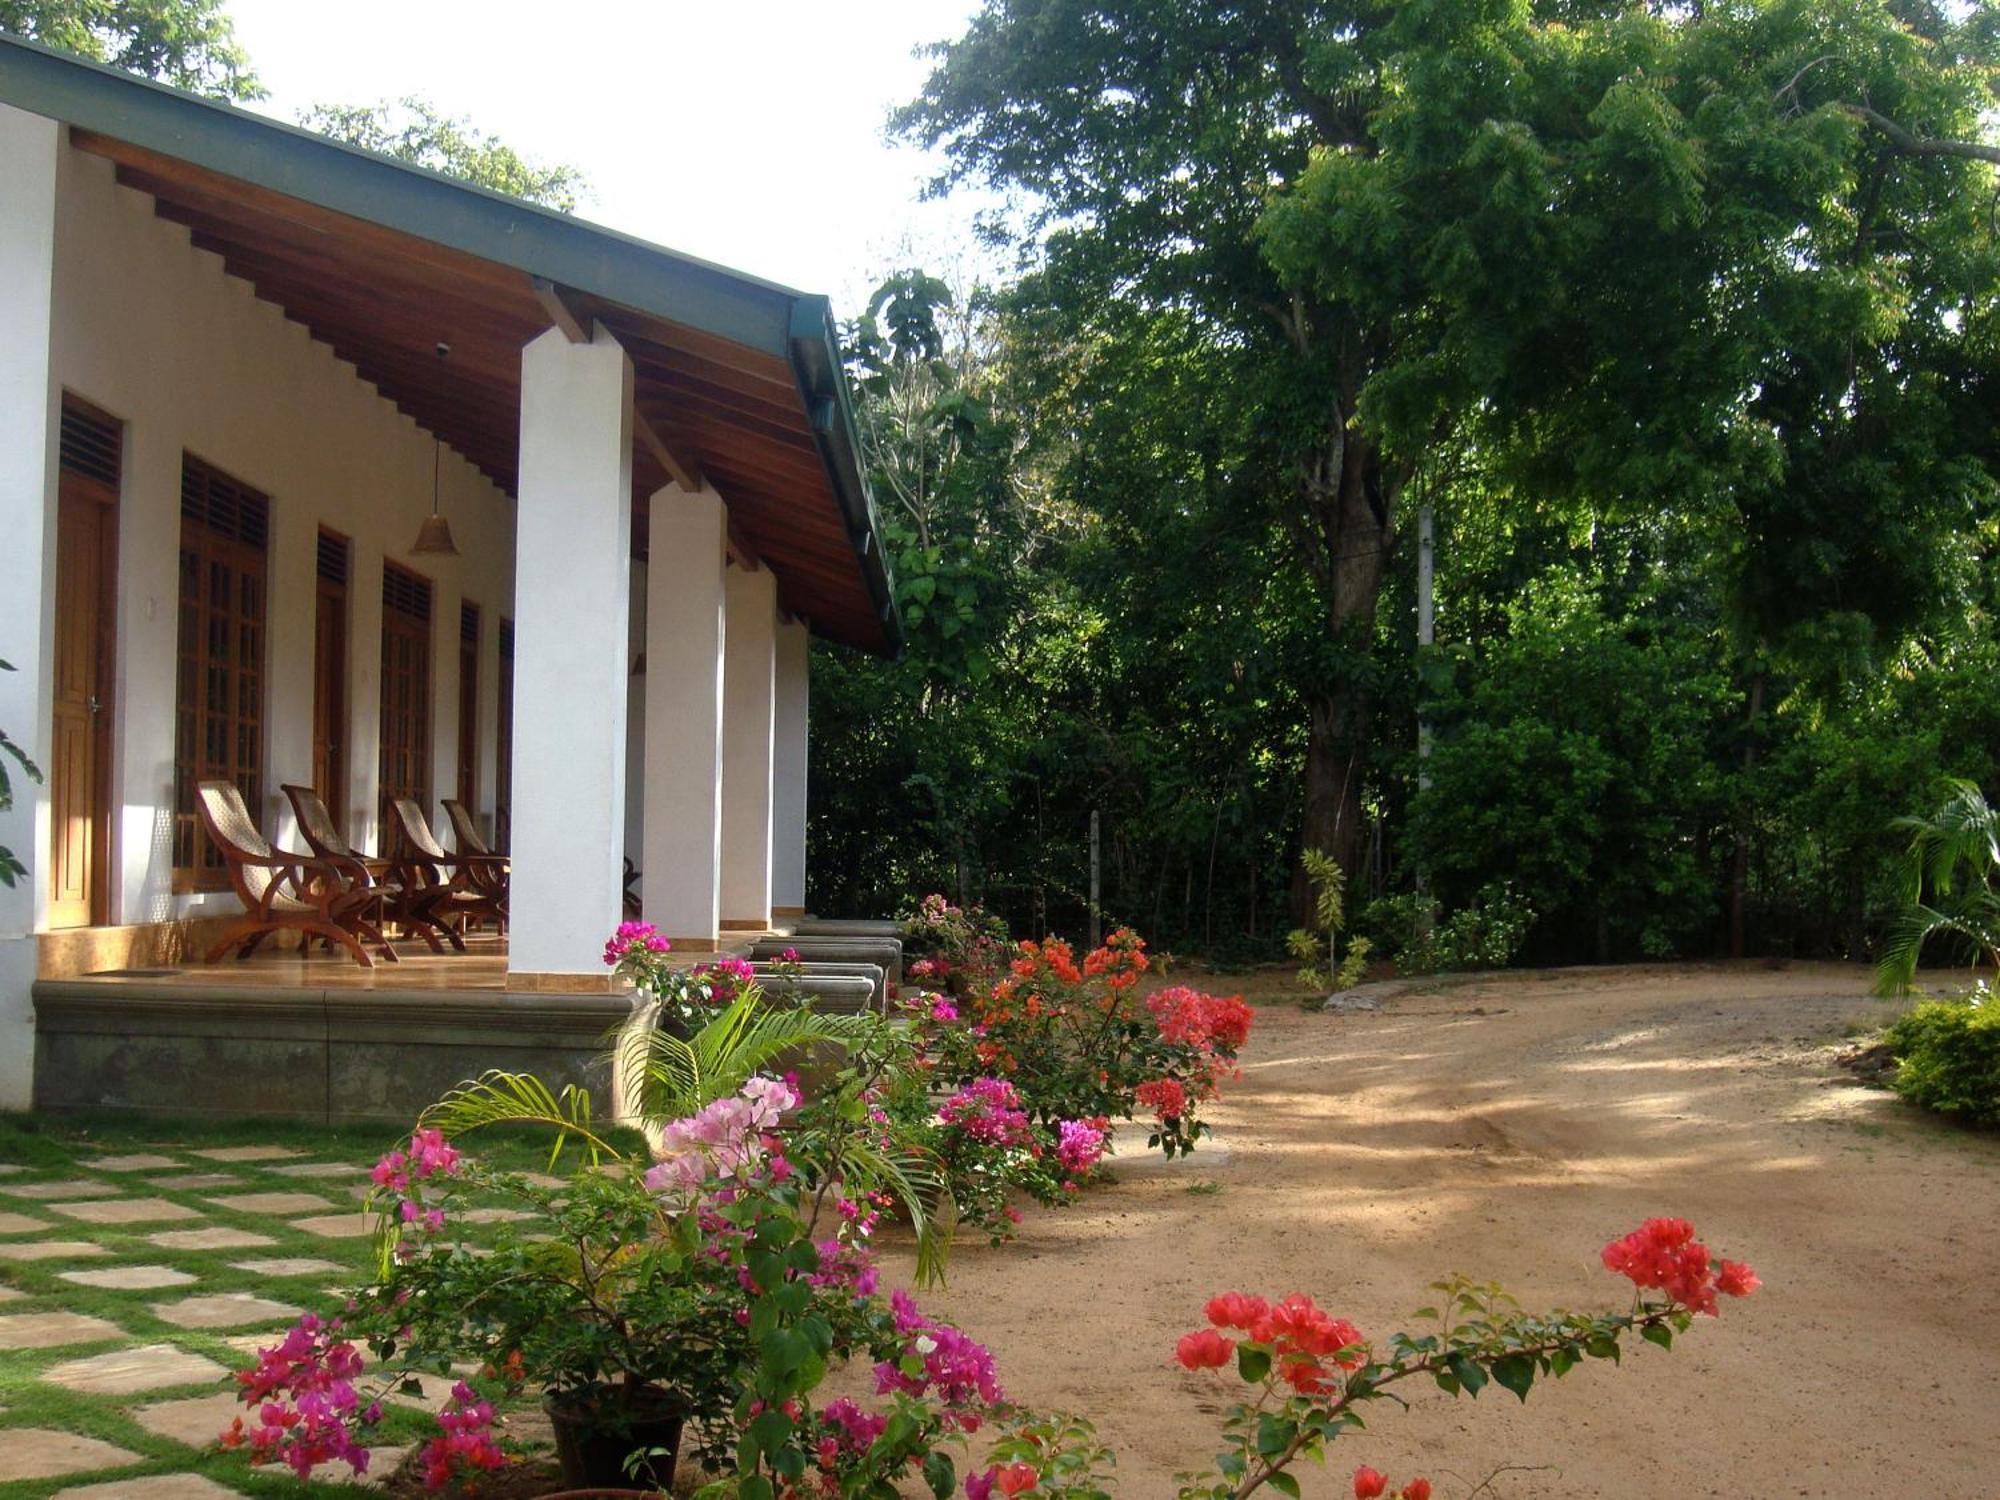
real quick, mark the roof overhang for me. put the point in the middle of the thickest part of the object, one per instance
(737, 380)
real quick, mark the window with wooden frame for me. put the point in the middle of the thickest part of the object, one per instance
(219, 689)
(468, 705)
(334, 559)
(406, 689)
(503, 741)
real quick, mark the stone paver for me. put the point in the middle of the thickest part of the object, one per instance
(492, 1216)
(321, 1169)
(126, 1210)
(43, 1453)
(247, 1153)
(11, 1294)
(158, 1487)
(51, 1250)
(125, 1371)
(8, 1169)
(11, 1223)
(70, 1187)
(142, 1162)
(223, 1310)
(287, 1265)
(381, 1464)
(206, 1239)
(131, 1278)
(195, 1420)
(347, 1226)
(274, 1203)
(49, 1330)
(190, 1180)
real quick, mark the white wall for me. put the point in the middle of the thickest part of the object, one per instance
(749, 692)
(788, 769)
(29, 151)
(152, 330)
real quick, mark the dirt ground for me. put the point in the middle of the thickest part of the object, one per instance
(1508, 1128)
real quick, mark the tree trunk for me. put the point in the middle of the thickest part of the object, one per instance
(1741, 857)
(1355, 532)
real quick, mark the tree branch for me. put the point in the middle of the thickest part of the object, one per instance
(1906, 142)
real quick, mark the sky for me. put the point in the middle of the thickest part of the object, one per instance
(748, 132)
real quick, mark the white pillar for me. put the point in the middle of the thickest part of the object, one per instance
(572, 579)
(681, 866)
(749, 693)
(30, 145)
(788, 772)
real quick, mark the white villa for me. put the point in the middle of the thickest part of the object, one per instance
(240, 367)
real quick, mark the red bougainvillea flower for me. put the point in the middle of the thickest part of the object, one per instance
(1736, 1279)
(1416, 1489)
(1368, 1483)
(1663, 1255)
(1204, 1349)
(1016, 1479)
(1236, 1310)
(1164, 1097)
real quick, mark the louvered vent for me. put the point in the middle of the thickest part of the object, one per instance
(406, 593)
(211, 498)
(468, 624)
(333, 557)
(506, 640)
(91, 444)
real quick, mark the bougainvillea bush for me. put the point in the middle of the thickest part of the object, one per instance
(1078, 1042)
(1303, 1375)
(956, 949)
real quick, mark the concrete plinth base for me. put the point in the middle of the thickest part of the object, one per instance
(886, 953)
(331, 1055)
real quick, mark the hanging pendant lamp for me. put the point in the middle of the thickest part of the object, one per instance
(434, 536)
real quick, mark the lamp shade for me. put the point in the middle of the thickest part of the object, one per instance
(435, 536)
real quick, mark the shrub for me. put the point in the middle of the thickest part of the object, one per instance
(1485, 933)
(1948, 1053)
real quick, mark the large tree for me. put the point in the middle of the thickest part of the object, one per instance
(188, 43)
(416, 131)
(1721, 255)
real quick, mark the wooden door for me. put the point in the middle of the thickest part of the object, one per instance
(330, 678)
(80, 713)
(406, 691)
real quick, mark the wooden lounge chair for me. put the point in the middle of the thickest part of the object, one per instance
(487, 870)
(449, 894)
(322, 834)
(282, 891)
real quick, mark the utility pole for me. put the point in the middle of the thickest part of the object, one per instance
(1096, 911)
(1426, 638)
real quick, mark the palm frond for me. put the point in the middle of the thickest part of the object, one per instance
(497, 1097)
(919, 1182)
(672, 1077)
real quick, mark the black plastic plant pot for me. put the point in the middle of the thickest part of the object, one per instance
(597, 1428)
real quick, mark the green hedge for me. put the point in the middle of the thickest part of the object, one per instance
(1949, 1057)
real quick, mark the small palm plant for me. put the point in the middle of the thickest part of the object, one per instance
(1321, 941)
(11, 868)
(1950, 881)
(671, 1072)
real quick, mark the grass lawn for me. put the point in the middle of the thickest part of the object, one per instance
(114, 1186)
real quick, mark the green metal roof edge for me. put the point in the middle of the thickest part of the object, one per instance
(761, 315)
(830, 409)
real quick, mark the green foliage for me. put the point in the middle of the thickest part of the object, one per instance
(416, 131)
(1318, 947)
(187, 43)
(11, 868)
(1953, 859)
(1485, 933)
(1948, 1057)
